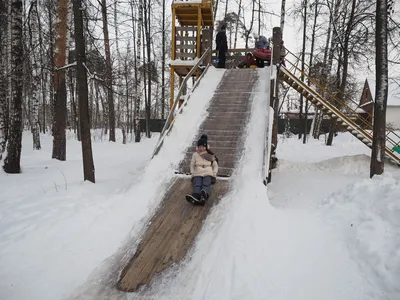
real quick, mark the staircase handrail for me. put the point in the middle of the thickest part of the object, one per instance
(175, 105)
(336, 111)
(345, 105)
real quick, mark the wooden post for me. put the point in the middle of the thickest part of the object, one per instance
(198, 31)
(276, 40)
(171, 101)
(173, 35)
(183, 93)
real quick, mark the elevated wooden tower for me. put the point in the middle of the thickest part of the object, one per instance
(192, 26)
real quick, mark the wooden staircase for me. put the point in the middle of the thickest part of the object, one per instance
(355, 124)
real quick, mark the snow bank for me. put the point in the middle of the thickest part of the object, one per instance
(367, 215)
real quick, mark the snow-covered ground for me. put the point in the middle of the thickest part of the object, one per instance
(321, 230)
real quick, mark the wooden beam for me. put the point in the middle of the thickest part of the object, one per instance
(185, 38)
(173, 35)
(185, 54)
(198, 32)
(171, 101)
(191, 47)
(186, 28)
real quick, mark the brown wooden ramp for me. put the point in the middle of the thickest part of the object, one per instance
(174, 227)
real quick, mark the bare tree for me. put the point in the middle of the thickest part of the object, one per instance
(138, 81)
(3, 76)
(303, 53)
(36, 77)
(283, 4)
(237, 23)
(163, 65)
(109, 74)
(381, 90)
(60, 90)
(13, 158)
(84, 118)
(148, 70)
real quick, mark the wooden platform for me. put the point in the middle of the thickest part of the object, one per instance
(188, 13)
(173, 229)
(183, 70)
(170, 234)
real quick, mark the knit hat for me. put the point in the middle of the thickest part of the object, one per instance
(203, 141)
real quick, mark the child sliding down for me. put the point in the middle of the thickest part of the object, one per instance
(204, 169)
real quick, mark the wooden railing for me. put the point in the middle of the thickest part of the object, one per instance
(175, 108)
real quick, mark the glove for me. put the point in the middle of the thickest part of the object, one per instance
(213, 180)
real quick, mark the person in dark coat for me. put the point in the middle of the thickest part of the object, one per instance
(222, 46)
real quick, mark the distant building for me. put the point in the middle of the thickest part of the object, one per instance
(393, 116)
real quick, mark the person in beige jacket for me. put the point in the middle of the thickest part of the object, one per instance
(204, 169)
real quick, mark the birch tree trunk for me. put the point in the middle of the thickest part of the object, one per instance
(50, 6)
(109, 75)
(35, 81)
(381, 90)
(13, 158)
(121, 99)
(82, 86)
(60, 99)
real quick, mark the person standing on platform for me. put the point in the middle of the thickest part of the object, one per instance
(222, 46)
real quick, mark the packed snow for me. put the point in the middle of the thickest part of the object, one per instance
(321, 230)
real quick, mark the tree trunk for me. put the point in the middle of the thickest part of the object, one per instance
(60, 105)
(109, 75)
(50, 65)
(138, 59)
(345, 55)
(381, 91)
(3, 77)
(216, 2)
(35, 81)
(74, 110)
(147, 23)
(302, 75)
(13, 158)
(82, 86)
(283, 4)
(251, 24)
(163, 66)
(237, 23)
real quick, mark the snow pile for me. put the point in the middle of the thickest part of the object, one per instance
(57, 232)
(315, 150)
(55, 228)
(367, 216)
